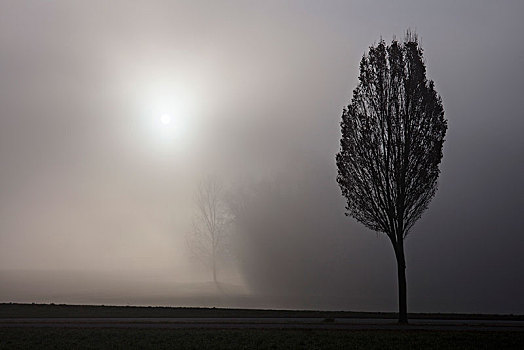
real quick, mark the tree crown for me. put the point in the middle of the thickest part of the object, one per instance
(392, 136)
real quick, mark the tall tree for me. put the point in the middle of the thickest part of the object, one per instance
(391, 146)
(208, 237)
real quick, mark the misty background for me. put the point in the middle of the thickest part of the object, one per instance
(97, 199)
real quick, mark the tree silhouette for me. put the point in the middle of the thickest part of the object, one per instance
(391, 145)
(208, 237)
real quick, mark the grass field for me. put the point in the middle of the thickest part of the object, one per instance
(196, 338)
(80, 338)
(10, 310)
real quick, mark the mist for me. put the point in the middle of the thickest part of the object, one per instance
(98, 197)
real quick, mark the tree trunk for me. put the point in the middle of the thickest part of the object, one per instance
(402, 290)
(214, 268)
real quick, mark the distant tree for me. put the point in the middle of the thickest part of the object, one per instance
(391, 145)
(208, 238)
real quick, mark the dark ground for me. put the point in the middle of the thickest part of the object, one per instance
(82, 337)
(14, 310)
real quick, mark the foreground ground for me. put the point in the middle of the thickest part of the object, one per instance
(33, 326)
(126, 338)
(17, 310)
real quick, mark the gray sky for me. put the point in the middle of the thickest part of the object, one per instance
(92, 181)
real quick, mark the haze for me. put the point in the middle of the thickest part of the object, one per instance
(97, 194)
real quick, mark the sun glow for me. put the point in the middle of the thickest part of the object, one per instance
(170, 114)
(169, 126)
(165, 119)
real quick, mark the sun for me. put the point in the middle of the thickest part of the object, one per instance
(169, 115)
(170, 125)
(165, 119)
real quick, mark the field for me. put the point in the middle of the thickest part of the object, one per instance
(80, 338)
(127, 337)
(9, 310)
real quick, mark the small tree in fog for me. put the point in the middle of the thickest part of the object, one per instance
(207, 239)
(391, 145)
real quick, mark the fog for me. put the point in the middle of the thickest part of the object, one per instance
(97, 196)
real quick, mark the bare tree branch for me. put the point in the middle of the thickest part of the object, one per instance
(210, 223)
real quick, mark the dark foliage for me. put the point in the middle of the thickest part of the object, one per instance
(391, 145)
(392, 136)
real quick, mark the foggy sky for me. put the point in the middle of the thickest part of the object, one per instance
(89, 183)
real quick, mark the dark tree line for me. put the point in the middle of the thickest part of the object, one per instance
(391, 147)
